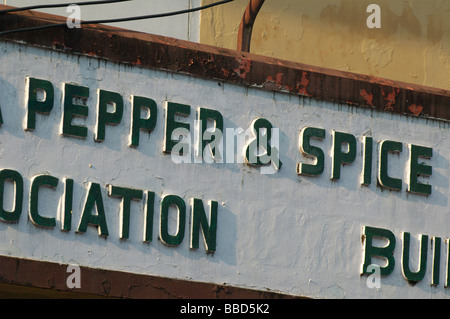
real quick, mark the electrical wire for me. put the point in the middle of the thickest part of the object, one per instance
(61, 5)
(144, 17)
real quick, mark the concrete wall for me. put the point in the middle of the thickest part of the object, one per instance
(412, 45)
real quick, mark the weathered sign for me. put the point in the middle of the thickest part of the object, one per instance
(119, 167)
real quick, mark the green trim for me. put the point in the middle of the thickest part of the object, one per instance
(33, 105)
(166, 238)
(200, 221)
(127, 195)
(407, 273)
(14, 215)
(94, 197)
(35, 217)
(314, 152)
(71, 110)
(103, 116)
(386, 252)
(384, 179)
(137, 123)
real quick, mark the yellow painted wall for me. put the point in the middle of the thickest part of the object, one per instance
(412, 45)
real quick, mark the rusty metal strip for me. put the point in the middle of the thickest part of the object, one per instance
(116, 284)
(157, 52)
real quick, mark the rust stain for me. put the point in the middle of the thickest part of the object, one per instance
(415, 109)
(302, 84)
(277, 79)
(225, 72)
(390, 98)
(244, 68)
(138, 61)
(60, 45)
(274, 83)
(211, 58)
(368, 97)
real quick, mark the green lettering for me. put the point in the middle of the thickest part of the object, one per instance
(367, 161)
(104, 117)
(384, 179)
(94, 198)
(436, 261)
(199, 220)
(306, 134)
(68, 202)
(149, 212)
(271, 156)
(35, 217)
(16, 178)
(138, 123)
(178, 202)
(210, 137)
(407, 273)
(36, 105)
(370, 250)
(75, 98)
(339, 157)
(447, 281)
(416, 169)
(127, 194)
(173, 109)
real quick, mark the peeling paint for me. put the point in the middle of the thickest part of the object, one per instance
(390, 98)
(277, 79)
(415, 109)
(302, 84)
(244, 68)
(368, 97)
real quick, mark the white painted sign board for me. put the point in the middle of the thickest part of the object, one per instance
(278, 228)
